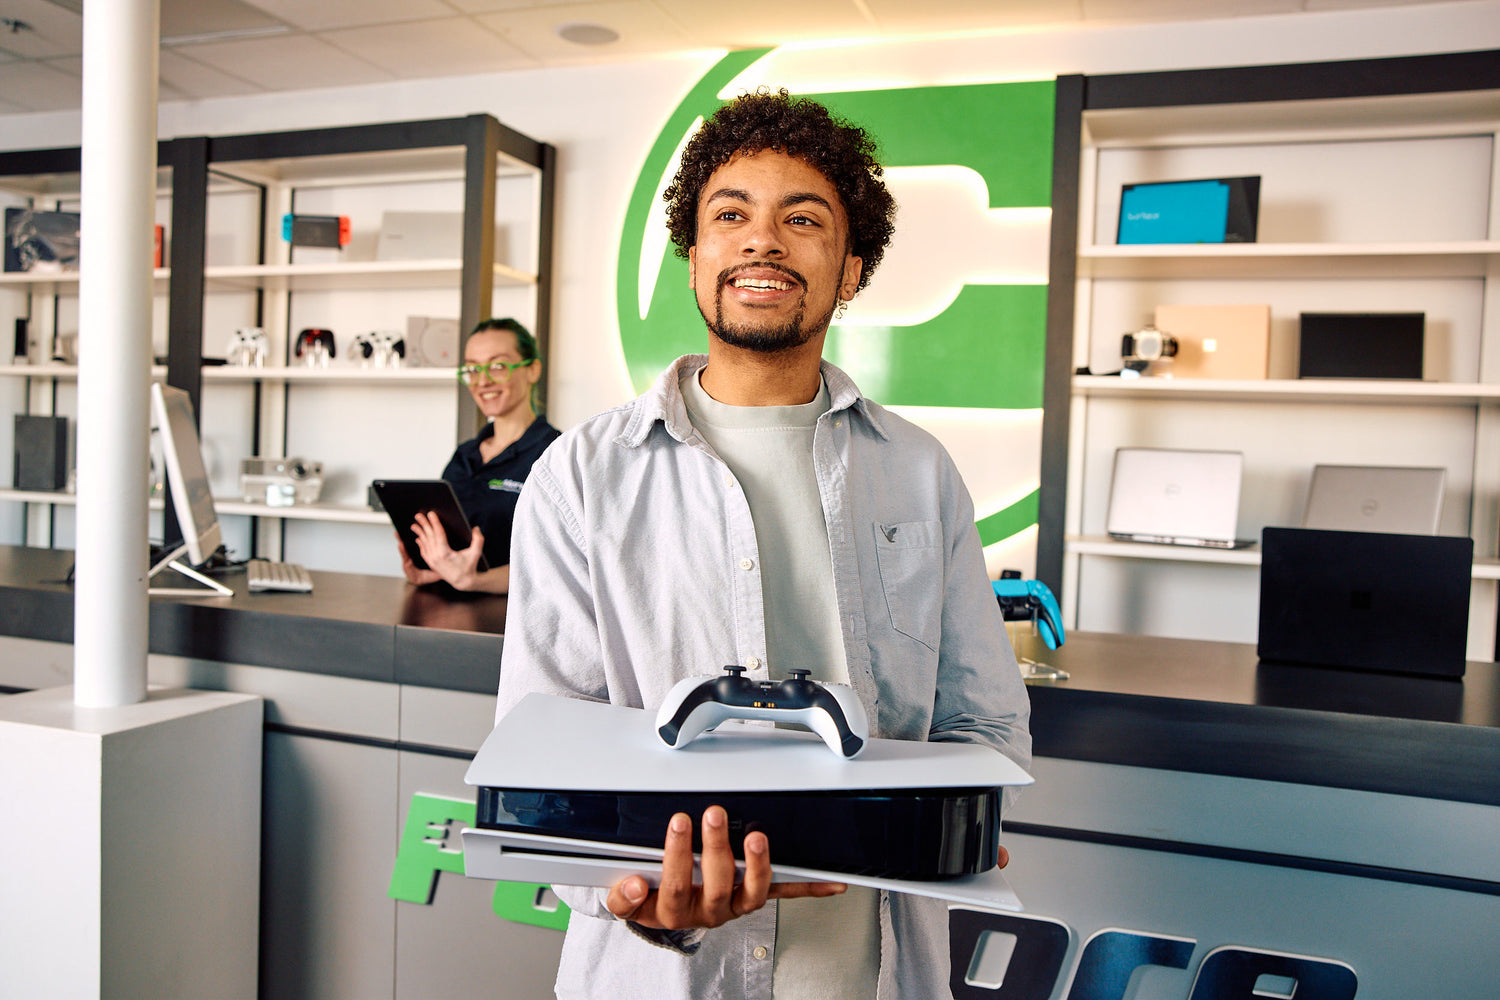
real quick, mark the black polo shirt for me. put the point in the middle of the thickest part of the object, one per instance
(487, 491)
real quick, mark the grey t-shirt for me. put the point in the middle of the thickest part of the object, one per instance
(827, 947)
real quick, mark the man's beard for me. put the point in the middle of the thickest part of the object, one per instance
(764, 340)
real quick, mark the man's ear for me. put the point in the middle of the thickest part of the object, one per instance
(692, 267)
(853, 268)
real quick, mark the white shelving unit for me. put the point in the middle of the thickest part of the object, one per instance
(235, 270)
(1374, 204)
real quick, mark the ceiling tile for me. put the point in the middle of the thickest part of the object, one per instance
(37, 86)
(776, 22)
(1123, 11)
(293, 62)
(206, 17)
(327, 14)
(188, 78)
(1353, 4)
(52, 31)
(448, 47)
(486, 6)
(896, 17)
(643, 29)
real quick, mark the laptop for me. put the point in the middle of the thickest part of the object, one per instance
(1218, 341)
(1403, 501)
(1176, 497)
(1365, 600)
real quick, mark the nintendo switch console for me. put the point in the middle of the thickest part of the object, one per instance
(559, 772)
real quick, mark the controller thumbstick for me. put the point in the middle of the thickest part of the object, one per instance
(734, 670)
(800, 675)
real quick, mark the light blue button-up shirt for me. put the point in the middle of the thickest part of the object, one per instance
(634, 564)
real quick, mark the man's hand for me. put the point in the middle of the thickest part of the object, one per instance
(460, 567)
(678, 904)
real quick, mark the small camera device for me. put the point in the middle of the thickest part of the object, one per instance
(1147, 350)
(280, 482)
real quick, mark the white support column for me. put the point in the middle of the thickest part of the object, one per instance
(120, 40)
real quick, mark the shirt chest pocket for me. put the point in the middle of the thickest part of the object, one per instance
(910, 557)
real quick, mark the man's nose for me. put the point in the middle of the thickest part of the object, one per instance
(763, 239)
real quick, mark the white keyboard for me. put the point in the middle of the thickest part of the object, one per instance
(264, 574)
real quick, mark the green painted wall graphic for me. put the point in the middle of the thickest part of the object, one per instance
(430, 844)
(985, 350)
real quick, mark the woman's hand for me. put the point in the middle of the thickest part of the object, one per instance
(460, 567)
(413, 574)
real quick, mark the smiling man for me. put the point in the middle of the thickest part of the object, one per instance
(754, 508)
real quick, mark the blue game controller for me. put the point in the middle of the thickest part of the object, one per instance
(1022, 599)
(697, 704)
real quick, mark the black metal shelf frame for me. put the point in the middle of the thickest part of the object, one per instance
(1078, 94)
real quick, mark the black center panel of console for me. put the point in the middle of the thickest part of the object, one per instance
(926, 833)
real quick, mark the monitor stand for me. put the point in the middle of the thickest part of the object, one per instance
(169, 560)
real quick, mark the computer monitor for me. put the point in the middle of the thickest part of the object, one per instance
(193, 502)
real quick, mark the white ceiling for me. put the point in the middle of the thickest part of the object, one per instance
(220, 48)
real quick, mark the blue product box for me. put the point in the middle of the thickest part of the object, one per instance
(1221, 210)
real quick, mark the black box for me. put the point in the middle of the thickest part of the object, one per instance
(1361, 345)
(41, 453)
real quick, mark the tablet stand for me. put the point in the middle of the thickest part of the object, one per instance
(170, 560)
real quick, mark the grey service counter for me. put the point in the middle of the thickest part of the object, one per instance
(1191, 804)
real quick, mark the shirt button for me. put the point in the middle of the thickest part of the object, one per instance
(760, 952)
(729, 481)
(747, 564)
(752, 664)
(838, 423)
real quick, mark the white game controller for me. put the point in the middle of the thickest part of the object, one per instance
(697, 704)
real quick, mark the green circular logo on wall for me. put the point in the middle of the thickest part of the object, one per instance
(951, 324)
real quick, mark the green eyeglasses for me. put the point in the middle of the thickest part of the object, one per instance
(498, 371)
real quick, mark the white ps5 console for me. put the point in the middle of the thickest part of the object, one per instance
(579, 793)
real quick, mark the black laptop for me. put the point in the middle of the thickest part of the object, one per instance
(1365, 600)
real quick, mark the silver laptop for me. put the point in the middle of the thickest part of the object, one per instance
(1176, 497)
(1400, 500)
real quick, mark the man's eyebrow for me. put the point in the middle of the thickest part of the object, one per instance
(795, 198)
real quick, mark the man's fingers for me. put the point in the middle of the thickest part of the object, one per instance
(718, 868)
(626, 896)
(793, 890)
(752, 893)
(674, 896)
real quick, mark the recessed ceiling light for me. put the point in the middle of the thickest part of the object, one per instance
(587, 34)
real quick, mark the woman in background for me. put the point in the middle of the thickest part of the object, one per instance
(501, 368)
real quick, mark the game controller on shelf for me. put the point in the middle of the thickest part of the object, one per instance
(697, 704)
(1030, 599)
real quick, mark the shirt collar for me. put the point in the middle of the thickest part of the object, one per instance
(663, 403)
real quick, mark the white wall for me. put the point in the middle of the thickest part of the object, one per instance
(603, 119)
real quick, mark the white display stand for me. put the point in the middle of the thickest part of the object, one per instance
(132, 845)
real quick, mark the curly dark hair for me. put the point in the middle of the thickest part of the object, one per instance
(797, 126)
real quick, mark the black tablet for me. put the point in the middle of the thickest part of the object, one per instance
(404, 498)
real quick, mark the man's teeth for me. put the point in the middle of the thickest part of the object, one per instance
(762, 283)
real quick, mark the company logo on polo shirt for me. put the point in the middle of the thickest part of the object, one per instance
(508, 485)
